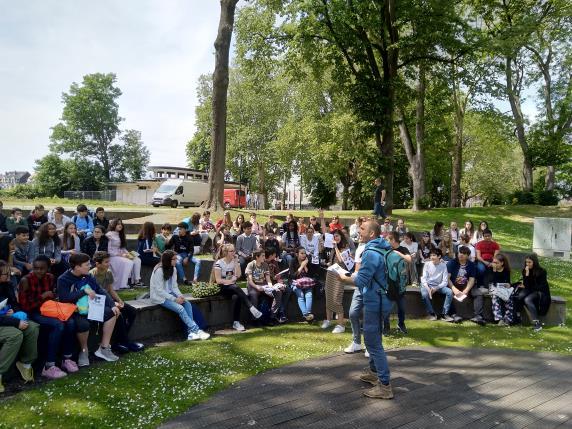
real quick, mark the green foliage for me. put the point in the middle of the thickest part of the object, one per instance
(135, 157)
(321, 195)
(522, 197)
(25, 191)
(199, 147)
(202, 289)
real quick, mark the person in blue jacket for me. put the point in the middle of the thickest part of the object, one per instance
(371, 280)
(75, 284)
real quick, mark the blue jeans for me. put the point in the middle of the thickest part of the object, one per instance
(400, 312)
(181, 269)
(61, 334)
(304, 299)
(355, 313)
(483, 275)
(446, 305)
(185, 312)
(372, 318)
(378, 210)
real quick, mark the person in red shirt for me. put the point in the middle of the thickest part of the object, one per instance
(34, 289)
(335, 224)
(487, 250)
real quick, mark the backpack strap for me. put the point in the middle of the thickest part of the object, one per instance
(379, 252)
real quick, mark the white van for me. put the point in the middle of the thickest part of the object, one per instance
(178, 192)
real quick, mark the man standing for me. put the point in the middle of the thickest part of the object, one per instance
(379, 199)
(372, 283)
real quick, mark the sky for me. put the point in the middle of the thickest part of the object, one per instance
(157, 49)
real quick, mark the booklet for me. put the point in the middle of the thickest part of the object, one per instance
(328, 240)
(460, 296)
(96, 308)
(337, 269)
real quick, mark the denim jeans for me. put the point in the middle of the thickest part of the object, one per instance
(60, 334)
(181, 269)
(372, 318)
(483, 274)
(446, 305)
(400, 312)
(355, 313)
(378, 210)
(304, 299)
(185, 312)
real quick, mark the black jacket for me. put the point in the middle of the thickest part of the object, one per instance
(537, 282)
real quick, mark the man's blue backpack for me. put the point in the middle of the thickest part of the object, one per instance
(395, 272)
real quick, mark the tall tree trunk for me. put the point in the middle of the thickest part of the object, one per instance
(262, 190)
(513, 93)
(220, 88)
(550, 178)
(457, 167)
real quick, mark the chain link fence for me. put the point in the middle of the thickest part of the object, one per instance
(91, 195)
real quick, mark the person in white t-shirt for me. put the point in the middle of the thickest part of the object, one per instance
(313, 245)
(410, 244)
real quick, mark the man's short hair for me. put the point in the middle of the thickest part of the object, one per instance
(257, 253)
(100, 256)
(43, 259)
(436, 251)
(78, 259)
(16, 209)
(39, 207)
(394, 235)
(465, 250)
(21, 230)
(270, 251)
(246, 224)
(166, 226)
(373, 226)
(81, 208)
(182, 225)
(487, 232)
(99, 209)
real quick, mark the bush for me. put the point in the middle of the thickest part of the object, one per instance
(24, 191)
(546, 198)
(202, 289)
(522, 197)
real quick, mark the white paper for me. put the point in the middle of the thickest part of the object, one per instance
(348, 260)
(337, 269)
(329, 240)
(283, 272)
(3, 303)
(96, 308)
(460, 297)
(315, 259)
(212, 234)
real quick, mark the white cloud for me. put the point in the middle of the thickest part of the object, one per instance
(157, 49)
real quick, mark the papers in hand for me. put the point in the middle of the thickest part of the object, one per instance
(96, 308)
(460, 296)
(347, 258)
(329, 240)
(283, 272)
(339, 270)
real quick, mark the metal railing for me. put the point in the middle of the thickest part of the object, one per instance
(91, 195)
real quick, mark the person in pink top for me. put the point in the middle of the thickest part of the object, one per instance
(123, 264)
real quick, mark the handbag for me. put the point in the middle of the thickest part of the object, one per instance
(501, 291)
(304, 283)
(57, 310)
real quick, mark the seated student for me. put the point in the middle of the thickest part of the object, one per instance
(34, 289)
(223, 237)
(260, 283)
(335, 224)
(455, 234)
(468, 229)
(271, 241)
(193, 229)
(315, 224)
(437, 234)
(313, 244)
(301, 225)
(354, 228)
(401, 229)
(486, 249)
(465, 242)
(58, 218)
(425, 247)
(70, 241)
(47, 243)
(16, 220)
(403, 252)
(447, 247)
(290, 241)
(302, 281)
(75, 284)
(183, 247)
(165, 292)
(224, 221)
(163, 239)
(100, 218)
(503, 311)
(434, 280)
(206, 225)
(145, 245)
(256, 227)
(277, 280)
(246, 244)
(478, 235)
(284, 227)
(236, 229)
(18, 338)
(36, 218)
(226, 273)
(125, 320)
(461, 274)
(534, 292)
(386, 227)
(83, 222)
(271, 225)
(412, 246)
(124, 265)
(22, 250)
(98, 242)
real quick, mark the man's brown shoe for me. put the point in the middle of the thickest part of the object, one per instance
(380, 391)
(369, 376)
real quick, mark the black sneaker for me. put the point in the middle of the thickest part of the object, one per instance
(401, 328)
(537, 326)
(478, 321)
(386, 330)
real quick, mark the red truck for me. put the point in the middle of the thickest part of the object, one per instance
(234, 198)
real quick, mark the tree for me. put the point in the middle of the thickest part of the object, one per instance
(199, 147)
(135, 160)
(321, 195)
(90, 122)
(220, 87)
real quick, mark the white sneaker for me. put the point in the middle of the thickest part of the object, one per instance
(238, 326)
(353, 347)
(203, 335)
(366, 354)
(326, 324)
(255, 313)
(193, 336)
(339, 329)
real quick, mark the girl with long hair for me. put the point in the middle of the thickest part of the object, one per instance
(145, 245)
(534, 292)
(124, 265)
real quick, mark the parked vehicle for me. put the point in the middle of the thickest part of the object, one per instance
(178, 192)
(234, 198)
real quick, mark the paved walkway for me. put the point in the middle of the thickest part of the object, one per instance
(434, 388)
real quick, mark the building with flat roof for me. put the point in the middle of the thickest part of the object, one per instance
(13, 178)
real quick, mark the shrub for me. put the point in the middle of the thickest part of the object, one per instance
(523, 197)
(546, 198)
(202, 289)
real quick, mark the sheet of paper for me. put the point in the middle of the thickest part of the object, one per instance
(212, 234)
(283, 272)
(96, 308)
(337, 269)
(348, 260)
(329, 240)
(460, 297)
(3, 303)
